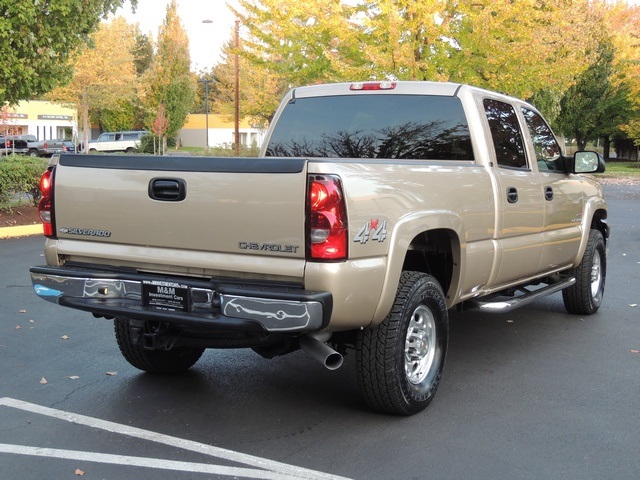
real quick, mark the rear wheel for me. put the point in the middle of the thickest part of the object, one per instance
(399, 362)
(585, 296)
(176, 360)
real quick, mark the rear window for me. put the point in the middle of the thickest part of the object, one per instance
(373, 126)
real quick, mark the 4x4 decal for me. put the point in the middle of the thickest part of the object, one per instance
(372, 230)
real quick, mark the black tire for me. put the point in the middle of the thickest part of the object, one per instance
(585, 296)
(33, 153)
(399, 362)
(176, 360)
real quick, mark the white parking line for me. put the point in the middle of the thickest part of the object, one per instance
(129, 461)
(270, 468)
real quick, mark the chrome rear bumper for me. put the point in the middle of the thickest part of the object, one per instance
(217, 304)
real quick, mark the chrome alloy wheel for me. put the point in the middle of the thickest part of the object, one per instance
(596, 276)
(420, 345)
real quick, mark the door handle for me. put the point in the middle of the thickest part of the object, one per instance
(548, 193)
(168, 189)
(512, 194)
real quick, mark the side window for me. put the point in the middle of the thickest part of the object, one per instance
(547, 149)
(506, 133)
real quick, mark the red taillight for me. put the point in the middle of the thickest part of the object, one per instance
(44, 145)
(45, 207)
(327, 219)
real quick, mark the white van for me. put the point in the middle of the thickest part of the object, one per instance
(128, 141)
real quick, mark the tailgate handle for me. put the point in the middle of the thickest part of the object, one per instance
(168, 189)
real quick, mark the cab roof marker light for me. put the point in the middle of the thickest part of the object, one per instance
(373, 86)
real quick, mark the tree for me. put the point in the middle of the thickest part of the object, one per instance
(160, 126)
(142, 51)
(520, 47)
(597, 105)
(207, 83)
(622, 21)
(127, 112)
(517, 47)
(104, 74)
(38, 38)
(260, 88)
(169, 80)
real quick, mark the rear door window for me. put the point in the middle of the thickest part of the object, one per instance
(507, 136)
(416, 127)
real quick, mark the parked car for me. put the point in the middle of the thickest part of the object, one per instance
(127, 141)
(46, 148)
(9, 145)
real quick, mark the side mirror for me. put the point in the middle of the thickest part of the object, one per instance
(588, 162)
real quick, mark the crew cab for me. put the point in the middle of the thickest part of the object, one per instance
(373, 209)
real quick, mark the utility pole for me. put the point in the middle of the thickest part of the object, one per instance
(236, 99)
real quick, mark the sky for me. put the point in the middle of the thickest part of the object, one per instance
(205, 39)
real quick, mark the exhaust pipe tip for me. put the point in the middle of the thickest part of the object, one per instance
(316, 348)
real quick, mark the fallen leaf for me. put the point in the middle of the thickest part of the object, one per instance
(65, 337)
(79, 472)
(74, 377)
(43, 381)
(112, 374)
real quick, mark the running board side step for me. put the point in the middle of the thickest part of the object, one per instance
(528, 296)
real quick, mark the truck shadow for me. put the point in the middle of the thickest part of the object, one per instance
(240, 391)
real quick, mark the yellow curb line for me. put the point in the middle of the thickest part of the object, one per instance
(20, 231)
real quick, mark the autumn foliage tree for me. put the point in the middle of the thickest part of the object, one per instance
(38, 38)
(623, 27)
(160, 126)
(260, 88)
(531, 50)
(104, 73)
(516, 47)
(169, 80)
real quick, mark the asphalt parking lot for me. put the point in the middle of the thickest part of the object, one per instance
(533, 394)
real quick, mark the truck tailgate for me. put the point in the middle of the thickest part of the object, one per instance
(225, 205)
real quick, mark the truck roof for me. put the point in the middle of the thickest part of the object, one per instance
(378, 87)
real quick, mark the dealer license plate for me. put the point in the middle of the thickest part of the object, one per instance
(165, 295)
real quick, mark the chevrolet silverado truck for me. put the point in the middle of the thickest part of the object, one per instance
(373, 209)
(47, 148)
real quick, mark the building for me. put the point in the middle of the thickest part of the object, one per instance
(44, 120)
(221, 132)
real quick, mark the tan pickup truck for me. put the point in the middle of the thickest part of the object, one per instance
(373, 209)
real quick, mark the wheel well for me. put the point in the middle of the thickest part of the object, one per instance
(599, 222)
(435, 252)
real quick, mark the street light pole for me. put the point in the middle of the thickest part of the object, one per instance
(206, 111)
(236, 99)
